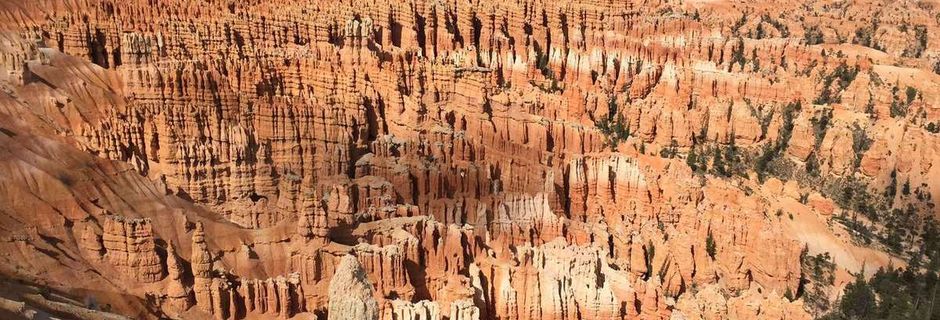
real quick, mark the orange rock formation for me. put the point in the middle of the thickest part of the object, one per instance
(453, 159)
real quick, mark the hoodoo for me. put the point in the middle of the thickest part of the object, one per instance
(469, 160)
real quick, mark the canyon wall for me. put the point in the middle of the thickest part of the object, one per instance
(459, 159)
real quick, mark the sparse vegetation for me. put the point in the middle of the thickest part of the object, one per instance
(812, 165)
(613, 127)
(821, 123)
(870, 214)
(836, 81)
(882, 226)
(650, 254)
(812, 35)
(865, 36)
(932, 127)
(736, 27)
(671, 151)
(695, 161)
(710, 245)
(917, 47)
(860, 143)
(727, 161)
(899, 106)
(551, 86)
(891, 293)
(780, 27)
(816, 281)
(541, 61)
(772, 151)
(737, 54)
(911, 94)
(759, 32)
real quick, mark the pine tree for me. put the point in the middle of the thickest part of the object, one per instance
(710, 245)
(692, 160)
(858, 302)
(718, 165)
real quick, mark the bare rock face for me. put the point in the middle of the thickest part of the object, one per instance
(91, 242)
(129, 246)
(351, 292)
(281, 296)
(458, 160)
(205, 286)
(421, 310)
(179, 296)
(386, 269)
(464, 310)
(312, 222)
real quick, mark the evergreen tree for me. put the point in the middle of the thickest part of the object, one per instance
(710, 245)
(692, 160)
(858, 302)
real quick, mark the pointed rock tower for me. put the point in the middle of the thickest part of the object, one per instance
(351, 293)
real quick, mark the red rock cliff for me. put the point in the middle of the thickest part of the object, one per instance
(459, 159)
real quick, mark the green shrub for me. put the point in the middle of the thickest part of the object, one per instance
(671, 151)
(821, 124)
(613, 127)
(891, 293)
(772, 151)
(710, 245)
(737, 54)
(933, 128)
(917, 47)
(860, 143)
(816, 279)
(912, 94)
(812, 35)
(865, 36)
(835, 82)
